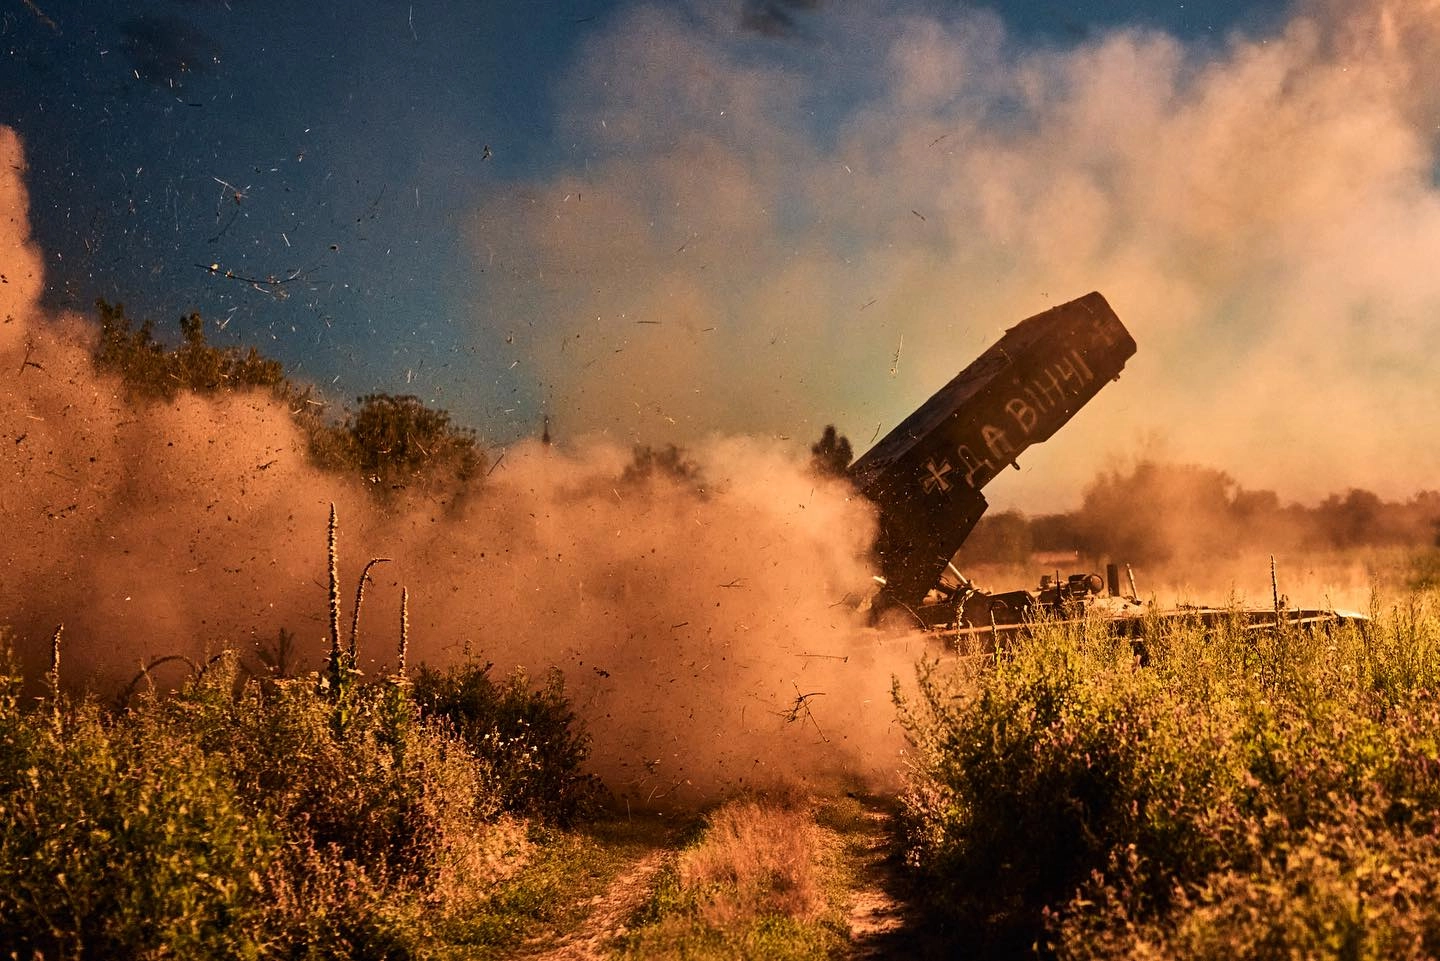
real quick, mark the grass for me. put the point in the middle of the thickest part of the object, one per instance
(758, 882)
(552, 896)
(1425, 570)
(1246, 795)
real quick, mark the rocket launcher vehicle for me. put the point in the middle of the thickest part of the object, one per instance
(928, 474)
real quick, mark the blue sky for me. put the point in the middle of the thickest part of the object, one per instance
(666, 220)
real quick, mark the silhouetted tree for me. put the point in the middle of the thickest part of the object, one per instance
(395, 441)
(1158, 511)
(1353, 519)
(669, 461)
(150, 370)
(831, 454)
(1003, 538)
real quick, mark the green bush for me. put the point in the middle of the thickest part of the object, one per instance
(1066, 798)
(382, 790)
(394, 442)
(528, 737)
(1349, 889)
(151, 371)
(123, 840)
(236, 819)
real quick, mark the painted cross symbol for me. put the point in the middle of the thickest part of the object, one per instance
(937, 476)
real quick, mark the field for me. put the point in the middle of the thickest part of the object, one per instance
(1241, 795)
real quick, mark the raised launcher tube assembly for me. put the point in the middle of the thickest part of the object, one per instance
(927, 474)
(926, 477)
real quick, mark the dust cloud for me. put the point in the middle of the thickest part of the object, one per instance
(736, 242)
(705, 624)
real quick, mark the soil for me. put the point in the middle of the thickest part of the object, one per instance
(608, 913)
(883, 922)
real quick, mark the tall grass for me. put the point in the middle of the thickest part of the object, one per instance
(753, 884)
(755, 858)
(1246, 794)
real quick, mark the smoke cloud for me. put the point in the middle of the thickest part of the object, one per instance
(736, 244)
(699, 621)
(739, 241)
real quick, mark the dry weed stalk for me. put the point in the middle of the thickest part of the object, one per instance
(343, 663)
(334, 598)
(196, 671)
(404, 627)
(55, 676)
(359, 600)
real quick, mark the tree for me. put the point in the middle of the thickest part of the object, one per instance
(669, 461)
(149, 370)
(395, 442)
(1158, 511)
(831, 454)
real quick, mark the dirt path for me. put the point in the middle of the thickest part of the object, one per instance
(643, 849)
(608, 913)
(884, 922)
(861, 844)
(876, 913)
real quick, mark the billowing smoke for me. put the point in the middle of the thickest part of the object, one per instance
(739, 245)
(701, 621)
(739, 240)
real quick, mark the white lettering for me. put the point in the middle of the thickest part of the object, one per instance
(1024, 414)
(1000, 447)
(973, 465)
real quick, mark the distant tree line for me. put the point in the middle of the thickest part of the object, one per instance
(1149, 512)
(1153, 512)
(393, 442)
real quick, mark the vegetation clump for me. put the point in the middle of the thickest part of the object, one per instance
(529, 737)
(393, 442)
(1245, 795)
(280, 819)
(669, 462)
(1154, 512)
(149, 370)
(830, 456)
(752, 884)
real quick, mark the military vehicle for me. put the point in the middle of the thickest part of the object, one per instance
(927, 476)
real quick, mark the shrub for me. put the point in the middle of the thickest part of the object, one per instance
(238, 820)
(123, 840)
(528, 738)
(395, 442)
(151, 371)
(392, 441)
(1065, 797)
(1347, 890)
(385, 789)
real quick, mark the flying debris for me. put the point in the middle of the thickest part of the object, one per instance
(927, 475)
